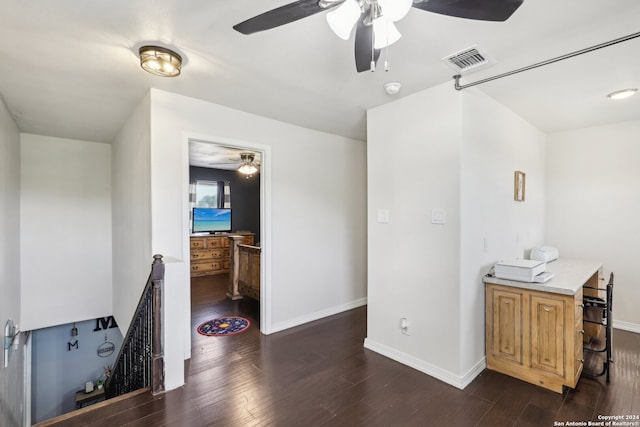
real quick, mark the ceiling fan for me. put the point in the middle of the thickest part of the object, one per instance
(248, 160)
(369, 15)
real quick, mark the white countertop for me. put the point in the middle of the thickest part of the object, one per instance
(569, 275)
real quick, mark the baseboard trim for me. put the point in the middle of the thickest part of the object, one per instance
(626, 326)
(301, 320)
(425, 367)
(472, 373)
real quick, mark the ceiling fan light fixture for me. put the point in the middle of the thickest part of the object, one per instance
(248, 166)
(395, 10)
(622, 94)
(160, 61)
(344, 18)
(385, 33)
(248, 169)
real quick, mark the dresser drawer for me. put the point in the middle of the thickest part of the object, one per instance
(210, 254)
(198, 255)
(207, 254)
(197, 243)
(579, 307)
(214, 242)
(579, 355)
(216, 253)
(204, 267)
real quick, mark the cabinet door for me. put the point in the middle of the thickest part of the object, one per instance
(507, 325)
(547, 340)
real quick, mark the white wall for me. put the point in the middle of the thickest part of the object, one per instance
(11, 383)
(315, 237)
(593, 206)
(65, 231)
(457, 151)
(413, 162)
(131, 205)
(496, 142)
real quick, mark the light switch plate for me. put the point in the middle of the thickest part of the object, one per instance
(383, 216)
(438, 216)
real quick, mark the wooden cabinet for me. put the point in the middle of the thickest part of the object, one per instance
(547, 334)
(210, 254)
(534, 336)
(506, 337)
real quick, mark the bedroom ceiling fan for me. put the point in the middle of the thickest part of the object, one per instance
(374, 19)
(246, 163)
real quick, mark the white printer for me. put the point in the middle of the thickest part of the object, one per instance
(544, 253)
(523, 270)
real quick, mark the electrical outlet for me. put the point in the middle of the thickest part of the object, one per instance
(404, 326)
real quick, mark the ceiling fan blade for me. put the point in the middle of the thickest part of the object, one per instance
(494, 10)
(363, 46)
(282, 15)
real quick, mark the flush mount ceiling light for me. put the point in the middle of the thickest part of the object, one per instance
(622, 94)
(160, 61)
(248, 166)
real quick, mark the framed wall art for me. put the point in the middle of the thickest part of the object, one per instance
(519, 181)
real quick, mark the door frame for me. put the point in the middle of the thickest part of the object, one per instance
(265, 217)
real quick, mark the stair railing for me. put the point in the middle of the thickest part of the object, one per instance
(140, 362)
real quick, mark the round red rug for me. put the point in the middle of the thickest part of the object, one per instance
(224, 326)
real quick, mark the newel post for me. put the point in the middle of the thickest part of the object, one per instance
(235, 267)
(157, 351)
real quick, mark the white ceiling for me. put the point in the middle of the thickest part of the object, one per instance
(208, 155)
(69, 68)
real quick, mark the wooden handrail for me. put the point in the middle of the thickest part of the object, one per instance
(140, 361)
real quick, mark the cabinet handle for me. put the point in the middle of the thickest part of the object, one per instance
(581, 361)
(581, 305)
(195, 255)
(582, 331)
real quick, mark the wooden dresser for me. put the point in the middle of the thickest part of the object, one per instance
(534, 331)
(210, 253)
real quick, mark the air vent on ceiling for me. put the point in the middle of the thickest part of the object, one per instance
(469, 59)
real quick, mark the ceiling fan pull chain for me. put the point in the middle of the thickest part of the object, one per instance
(386, 58)
(372, 65)
(386, 51)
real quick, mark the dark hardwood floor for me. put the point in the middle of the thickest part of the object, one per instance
(319, 374)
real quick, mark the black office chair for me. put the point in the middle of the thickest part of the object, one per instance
(599, 311)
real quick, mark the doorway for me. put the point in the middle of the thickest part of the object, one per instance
(215, 160)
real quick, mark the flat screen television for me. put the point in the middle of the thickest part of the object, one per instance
(211, 220)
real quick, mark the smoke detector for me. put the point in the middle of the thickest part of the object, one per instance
(468, 60)
(392, 88)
